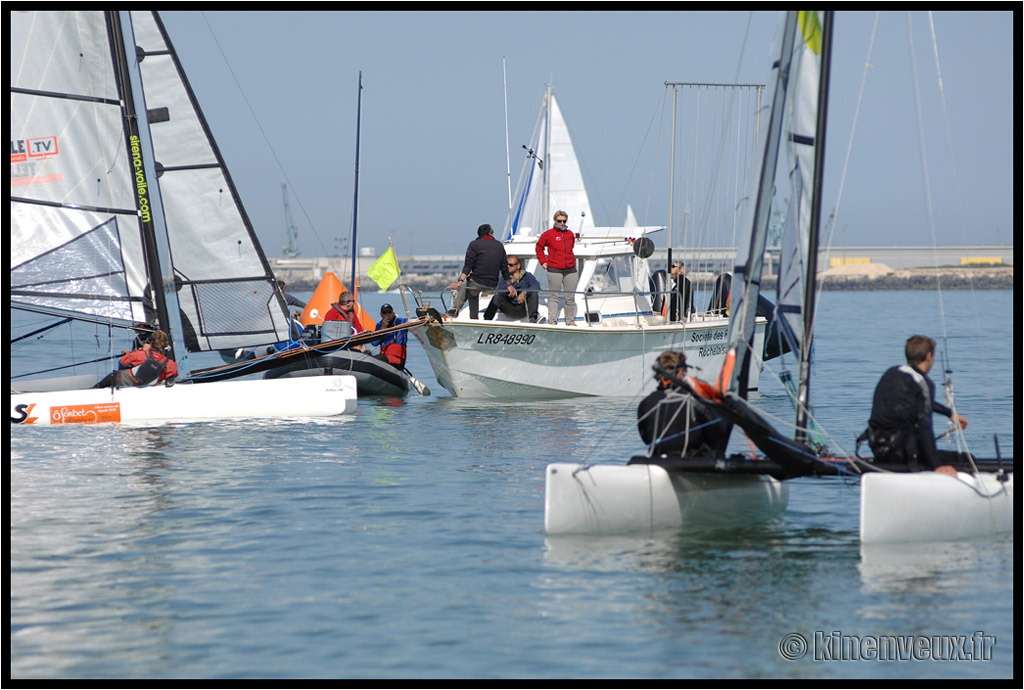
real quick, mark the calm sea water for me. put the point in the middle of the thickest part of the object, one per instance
(406, 541)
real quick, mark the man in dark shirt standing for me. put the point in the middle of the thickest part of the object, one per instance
(485, 259)
(900, 428)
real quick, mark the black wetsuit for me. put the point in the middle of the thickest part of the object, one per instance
(900, 429)
(670, 420)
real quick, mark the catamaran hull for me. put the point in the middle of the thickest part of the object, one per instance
(373, 376)
(320, 396)
(927, 506)
(503, 359)
(619, 499)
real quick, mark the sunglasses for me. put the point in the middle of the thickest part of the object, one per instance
(513, 265)
(387, 311)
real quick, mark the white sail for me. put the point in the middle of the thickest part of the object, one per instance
(551, 179)
(75, 228)
(227, 289)
(794, 85)
(81, 201)
(800, 142)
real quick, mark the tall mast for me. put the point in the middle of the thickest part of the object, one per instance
(545, 211)
(810, 283)
(508, 158)
(138, 151)
(355, 203)
(746, 282)
(672, 178)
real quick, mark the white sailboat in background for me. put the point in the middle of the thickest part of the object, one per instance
(123, 213)
(668, 492)
(620, 325)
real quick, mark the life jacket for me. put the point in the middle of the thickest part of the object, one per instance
(148, 371)
(342, 315)
(395, 354)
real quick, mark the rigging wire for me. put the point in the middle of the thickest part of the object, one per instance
(270, 146)
(960, 212)
(930, 215)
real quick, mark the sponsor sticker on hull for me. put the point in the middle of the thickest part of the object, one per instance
(85, 414)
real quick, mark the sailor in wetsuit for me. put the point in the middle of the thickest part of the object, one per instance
(672, 423)
(900, 429)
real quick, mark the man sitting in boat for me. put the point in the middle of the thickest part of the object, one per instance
(144, 366)
(393, 346)
(344, 310)
(900, 429)
(524, 304)
(671, 422)
(485, 260)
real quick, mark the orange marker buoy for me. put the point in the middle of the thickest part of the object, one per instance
(324, 296)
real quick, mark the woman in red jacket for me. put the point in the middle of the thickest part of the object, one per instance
(554, 251)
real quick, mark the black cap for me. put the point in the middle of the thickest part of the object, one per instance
(385, 307)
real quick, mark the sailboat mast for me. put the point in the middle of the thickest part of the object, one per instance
(811, 283)
(672, 178)
(355, 203)
(137, 154)
(746, 282)
(545, 210)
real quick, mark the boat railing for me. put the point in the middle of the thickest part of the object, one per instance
(592, 315)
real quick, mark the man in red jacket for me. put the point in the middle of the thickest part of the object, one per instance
(554, 251)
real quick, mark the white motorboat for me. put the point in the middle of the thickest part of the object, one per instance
(621, 324)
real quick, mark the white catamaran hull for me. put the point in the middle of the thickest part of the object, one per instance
(319, 396)
(618, 499)
(927, 506)
(491, 359)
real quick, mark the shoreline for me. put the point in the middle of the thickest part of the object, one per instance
(945, 278)
(880, 277)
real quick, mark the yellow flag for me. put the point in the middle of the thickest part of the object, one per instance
(385, 269)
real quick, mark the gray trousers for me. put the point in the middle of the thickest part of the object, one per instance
(470, 291)
(566, 284)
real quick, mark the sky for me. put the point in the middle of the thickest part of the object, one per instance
(279, 90)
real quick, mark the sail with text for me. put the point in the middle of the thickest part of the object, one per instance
(121, 206)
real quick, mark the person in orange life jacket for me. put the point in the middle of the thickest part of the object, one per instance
(485, 260)
(555, 253)
(672, 423)
(393, 346)
(144, 366)
(345, 310)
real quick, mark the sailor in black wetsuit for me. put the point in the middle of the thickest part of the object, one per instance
(673, 424)
(900, 429)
